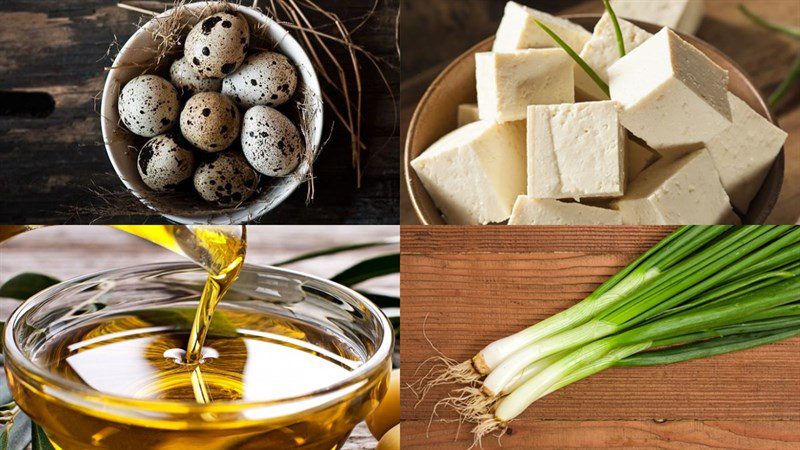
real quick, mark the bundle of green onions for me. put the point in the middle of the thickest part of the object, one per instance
(702, 291)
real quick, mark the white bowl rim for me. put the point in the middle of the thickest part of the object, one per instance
(256, 209)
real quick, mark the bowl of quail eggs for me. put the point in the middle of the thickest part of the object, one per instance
(220, 128)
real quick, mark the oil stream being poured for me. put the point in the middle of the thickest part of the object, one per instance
(220, 250)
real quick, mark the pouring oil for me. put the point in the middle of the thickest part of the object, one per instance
(179, 355)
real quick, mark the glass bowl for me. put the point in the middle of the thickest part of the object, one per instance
(75, 416)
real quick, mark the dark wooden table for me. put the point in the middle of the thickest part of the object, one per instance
(456, 25)
(50, 165)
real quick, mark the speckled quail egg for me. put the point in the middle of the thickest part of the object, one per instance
(217, 45)
(187, 80)
(270, 141)
(210, 121)
(225, 179)
(265, 78)
(148, 105)
(164, 163)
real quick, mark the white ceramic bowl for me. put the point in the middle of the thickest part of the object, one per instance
(122, 146)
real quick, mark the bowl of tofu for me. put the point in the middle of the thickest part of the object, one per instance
(514, 132)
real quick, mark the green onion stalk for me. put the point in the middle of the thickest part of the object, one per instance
(648, 267)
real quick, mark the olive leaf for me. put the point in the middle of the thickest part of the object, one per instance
(383, 301)
(39, 440)
(24, 285)
(368, 269)
(338, 249)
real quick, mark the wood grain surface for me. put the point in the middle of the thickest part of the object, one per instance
(69, 251)
(464, 287)
(49, 166)
(764, 56)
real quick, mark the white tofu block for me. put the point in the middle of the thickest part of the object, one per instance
(575, 150)
(686, 191)
(475, 173)
(602, 50)
(532, 211)
(744, 153)
(467, 114)
(672, 95)
(638, 158)
(518, 30)
(509, 82)
(681, 15)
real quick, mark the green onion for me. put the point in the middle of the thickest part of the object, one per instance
(647, 267)
(794, 71)
(617, 30)
(700, 292)
(786, 84)
(589, 71)
(676, 285)
(788, 31)
(687, 322)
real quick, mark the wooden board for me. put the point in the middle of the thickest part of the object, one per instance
(764, 56)
(464, 287)
(48, 165)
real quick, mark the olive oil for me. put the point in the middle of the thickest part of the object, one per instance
(248, 357)
(177, 377)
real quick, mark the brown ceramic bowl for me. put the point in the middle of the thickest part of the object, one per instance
(435, 116)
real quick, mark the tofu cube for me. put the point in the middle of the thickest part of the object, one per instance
(518, 30)
(680, 15)
(575, 150)
(601, 51)
(475, 173)
(638, 158)
(509, 82)
(532, 211)
(672, 95)
(467, 114)
(744, 153)
(686, 191)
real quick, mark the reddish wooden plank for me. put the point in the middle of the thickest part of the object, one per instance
(461, 295)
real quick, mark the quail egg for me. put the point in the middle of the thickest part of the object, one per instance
(225, 179)
(187, 80)
(148, 105)
(270, 141)
(210, 121)
(164, 163)
(265, 78)
(217, 45)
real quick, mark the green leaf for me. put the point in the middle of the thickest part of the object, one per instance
(383, 301)
(586, 68)
(4, 439)
(334, 250)
(772, 26)
(368, 269)
(39, 440)
(24, 285)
